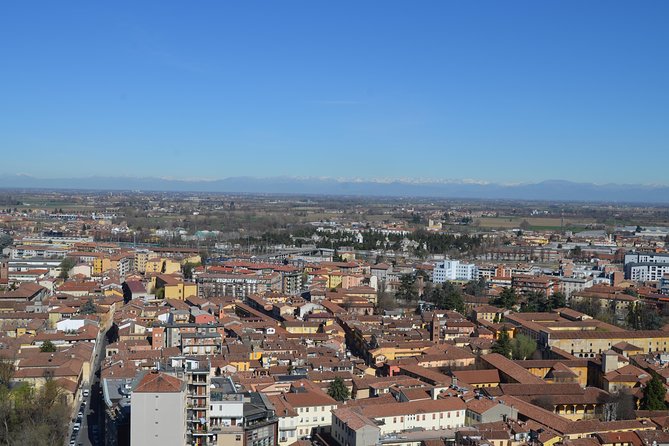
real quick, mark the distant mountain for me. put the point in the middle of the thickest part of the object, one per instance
(546, 190)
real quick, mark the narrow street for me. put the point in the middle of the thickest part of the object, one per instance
(90, 433)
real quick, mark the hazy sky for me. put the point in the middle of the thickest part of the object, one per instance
(501, 90)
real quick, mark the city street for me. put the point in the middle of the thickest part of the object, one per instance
(90, 433)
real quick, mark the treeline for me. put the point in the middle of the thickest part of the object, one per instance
(428, 242)
(30, 416)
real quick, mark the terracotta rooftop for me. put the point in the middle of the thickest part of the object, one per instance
(159, 383)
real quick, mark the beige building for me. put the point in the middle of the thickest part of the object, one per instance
(364, 426)
(158, 411)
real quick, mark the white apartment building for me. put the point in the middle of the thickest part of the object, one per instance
(571, 285)
(642, 272)
(646, 266)
(158, 411)
(448, 270)
(314, 410)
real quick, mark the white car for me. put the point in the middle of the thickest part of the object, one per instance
(77, 426)
(85, 393)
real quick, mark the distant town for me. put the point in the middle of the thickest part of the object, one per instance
(155, 318)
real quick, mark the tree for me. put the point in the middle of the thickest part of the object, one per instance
(631, 292)
(65, 266)
(507, 299)
(539, 302)
(577, 252)
(618, 406)
(88, 307)
(33, 416)
(476, 287)
(408, 289)
(448, 297)
(47, 346)
(384, 300)
(502, 345)
(641, 316)
(6, 371)
(338, 390)
(653, 395)
(559, 300)
(336, 257)
(523, 347)
(188, 268)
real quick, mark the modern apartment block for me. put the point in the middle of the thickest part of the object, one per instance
(213, 411)
(646, 266)
(158, 412)
(448, 270)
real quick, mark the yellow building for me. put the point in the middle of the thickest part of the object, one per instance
(335, 279)
(141, 259)
(195, 259)
(301, 327)
(100, 265)
(555, 370)
(180, 290)
(153, 265)
(404, 350)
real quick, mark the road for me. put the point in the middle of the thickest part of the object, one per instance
(92, 423)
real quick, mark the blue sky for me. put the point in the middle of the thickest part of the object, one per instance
(509, 91)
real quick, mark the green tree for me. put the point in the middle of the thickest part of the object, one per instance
(523, 347)
(559, 300)
(65, 266)
(448, 297)
(653, 395)
(47, 346)
(476, 287)
(536, 301)
(33, 416)
(408, 289)
(188, 268)
(503, 344)
(338, 390)
(631, 292)
(507, 298)
(88, 307)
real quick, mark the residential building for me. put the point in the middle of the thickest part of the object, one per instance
(158, 411)
(449, 270)
(367, 425)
